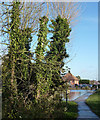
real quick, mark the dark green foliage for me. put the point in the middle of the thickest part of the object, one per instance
(57, 53)
(33, 87)
(99, 86)
(42, 83)
(78, 77)
(23, 63)
(61, 32)
(9, 60)
(48, 68)
(0, 77)
(84, 81)
(17, 70)
(42, 39)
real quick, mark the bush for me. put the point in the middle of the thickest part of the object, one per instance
(76, 87)
(99, 86)
(84, 81)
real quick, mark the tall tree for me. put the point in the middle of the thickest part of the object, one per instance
(16, 83)
(14, 39)
(40, 56)
(18, 21)
(10, 84)
(57, 53)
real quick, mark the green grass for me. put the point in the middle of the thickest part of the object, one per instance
(71, 113)
(0, 90)
(94, 102)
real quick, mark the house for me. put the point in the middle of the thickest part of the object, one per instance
(94, 82)
(70, 79)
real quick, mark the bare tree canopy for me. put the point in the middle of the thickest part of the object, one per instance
(30, 12)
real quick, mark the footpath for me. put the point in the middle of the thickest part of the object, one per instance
(84, 112)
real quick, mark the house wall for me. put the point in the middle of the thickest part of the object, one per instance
(73, 82)
(77, 82)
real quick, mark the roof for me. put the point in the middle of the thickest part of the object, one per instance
(69, 77)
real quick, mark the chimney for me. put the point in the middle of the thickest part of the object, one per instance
(68, 70)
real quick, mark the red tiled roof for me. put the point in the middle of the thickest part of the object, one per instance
(69, 77)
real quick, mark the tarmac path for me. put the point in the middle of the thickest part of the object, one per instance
(84, 112)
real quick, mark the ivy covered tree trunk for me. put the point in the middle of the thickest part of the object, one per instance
(17, 63)
(10, 91)
(61, 31)
(23, 63)
(40, 56)
(14, 38)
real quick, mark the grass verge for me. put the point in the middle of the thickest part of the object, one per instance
(94, 102)
(0, 90)
(71, 113)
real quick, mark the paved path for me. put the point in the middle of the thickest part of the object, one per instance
(84, 112)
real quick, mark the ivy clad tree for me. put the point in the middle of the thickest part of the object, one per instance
(30, 83)
(17, 72)
(10, 84)
(61, 31)
(42, 39)
(40, 57)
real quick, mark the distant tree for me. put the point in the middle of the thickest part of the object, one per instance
(84, 81)
(78, 77)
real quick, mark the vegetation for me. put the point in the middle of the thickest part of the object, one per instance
(0, 78)
(61, 32)
(70, 113)
(83, 81)
(78, 77)
(99, 86)
(94, 102)
(32, 79)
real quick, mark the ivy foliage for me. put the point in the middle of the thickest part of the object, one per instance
(28, 84)
(61, 31)
(42, 39)
(16, 72)
(43, 82)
